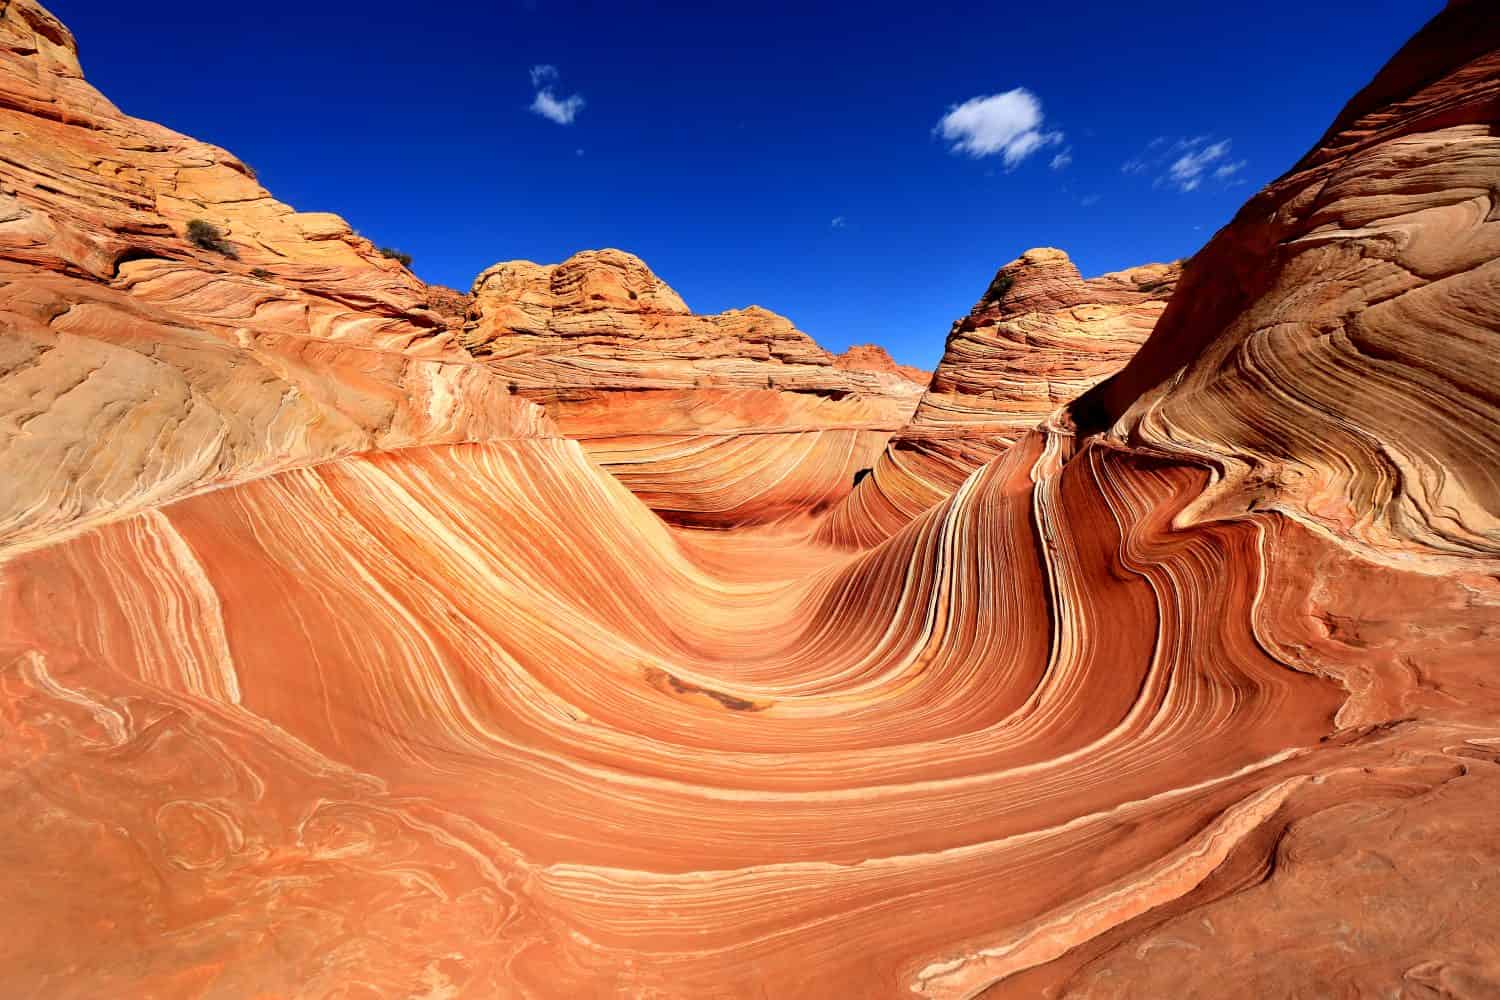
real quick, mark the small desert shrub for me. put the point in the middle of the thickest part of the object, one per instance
(261, 273)
(396, 255)
(999, 287)
(209, 237)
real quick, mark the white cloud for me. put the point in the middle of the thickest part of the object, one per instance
(1061, 160)
(1187, 170)
(1185, 163)
(839, 222)
(546, 102)
(1090, 200)
(1008, 125)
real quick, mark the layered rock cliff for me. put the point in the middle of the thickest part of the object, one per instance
(1038, 338)
(1188, 692)
(731, 419)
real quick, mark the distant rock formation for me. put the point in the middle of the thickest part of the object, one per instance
(715, 421)
(1038, 338)
(874, 358)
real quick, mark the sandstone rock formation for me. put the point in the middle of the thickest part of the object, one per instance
(137, 366)
(1039, 338)
(718, 421)
(1188, 692)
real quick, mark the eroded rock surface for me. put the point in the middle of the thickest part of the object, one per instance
(1038, 338)
(726, 420)
(137, 366)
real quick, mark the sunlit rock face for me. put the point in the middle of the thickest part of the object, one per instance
(136, 366)
(1038, 338)
(1189, 691)
(719, 421)
(1331, 352)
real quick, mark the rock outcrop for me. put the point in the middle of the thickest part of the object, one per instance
(874, 358)
(718, 421)
(1189, 691)
(137, 365)
(1039, 338)
(1331, 351)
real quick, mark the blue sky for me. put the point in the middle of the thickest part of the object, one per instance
(861, 169)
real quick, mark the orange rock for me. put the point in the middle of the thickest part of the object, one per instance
(1039, 337)
(136, 366)
(717, 421)
(873, 358)
(1331, 351)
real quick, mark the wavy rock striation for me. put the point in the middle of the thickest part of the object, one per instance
(715, 421)
(1039, 337)
(1178, 695)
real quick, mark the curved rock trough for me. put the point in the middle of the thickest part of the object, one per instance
(541, 645)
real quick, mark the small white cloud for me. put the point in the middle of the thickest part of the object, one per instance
(1008, 125)
(560, 110)
(546, 102)
(1187, 170)
(1061, 160)
(839, 222)
(1185, 163)
(1090, 200)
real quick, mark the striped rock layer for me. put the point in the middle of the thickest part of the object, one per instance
(717, 421)
(1039, 338)
(1189, 693)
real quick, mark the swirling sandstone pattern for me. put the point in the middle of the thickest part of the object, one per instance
(1039, 338)
(1187, 692)
(716, 421)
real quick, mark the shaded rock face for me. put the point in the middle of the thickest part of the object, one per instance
(716, 421)
(449, 303)
(1177, 695)
(1038, 338)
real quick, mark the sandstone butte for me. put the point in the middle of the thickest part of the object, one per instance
(331, 666)
(718, 421)
(1039, 337)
